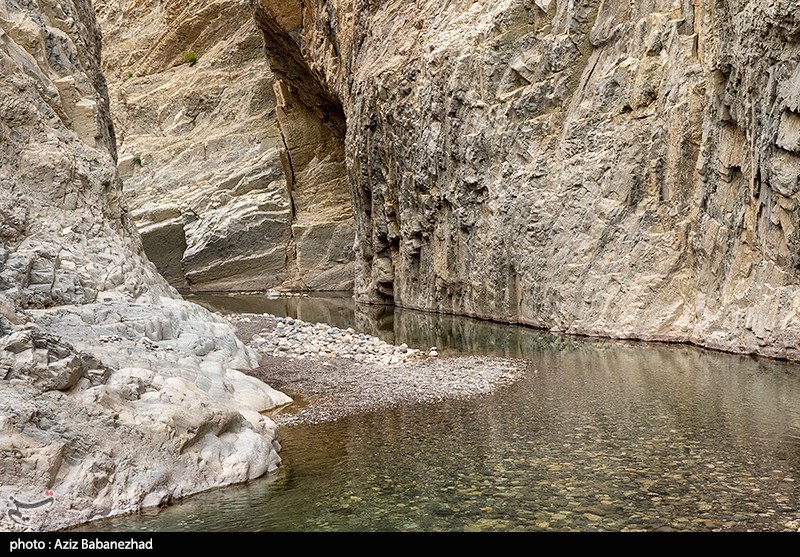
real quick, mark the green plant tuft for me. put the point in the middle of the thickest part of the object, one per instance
(137, 160)
(190, 58)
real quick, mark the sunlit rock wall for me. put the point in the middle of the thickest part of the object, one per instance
(232, 185)
(604, 167)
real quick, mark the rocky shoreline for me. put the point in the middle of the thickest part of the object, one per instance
(333, 372)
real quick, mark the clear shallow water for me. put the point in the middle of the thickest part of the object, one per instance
(601, 436)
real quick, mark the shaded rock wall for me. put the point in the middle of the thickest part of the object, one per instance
(232, 185)
(114, 393)
(595, 166)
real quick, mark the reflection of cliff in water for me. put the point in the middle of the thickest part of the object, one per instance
(451, 334)
(335, 309)
(602, 435)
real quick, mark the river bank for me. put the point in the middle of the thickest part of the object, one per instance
(596, 435)
(335, 372)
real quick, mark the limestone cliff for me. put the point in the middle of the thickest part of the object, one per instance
(232, 185)
(604, 167)
(114, 393)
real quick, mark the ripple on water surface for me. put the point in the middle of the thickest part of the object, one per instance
(601, 436)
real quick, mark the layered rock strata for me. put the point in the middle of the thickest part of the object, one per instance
(114, 393)
(232, 184)
(599, 167)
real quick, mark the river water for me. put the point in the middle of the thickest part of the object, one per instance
(600, 435)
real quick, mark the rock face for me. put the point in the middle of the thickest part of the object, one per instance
(114, 393)
(626, 169)
(232, 185)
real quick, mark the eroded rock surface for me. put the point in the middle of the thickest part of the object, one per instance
(232, 185)
(114, 393)
(626, 169)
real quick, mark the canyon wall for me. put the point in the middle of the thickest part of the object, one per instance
(601, 167)
(114, 393)
(232, 185)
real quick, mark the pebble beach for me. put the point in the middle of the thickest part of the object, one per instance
(332, 373)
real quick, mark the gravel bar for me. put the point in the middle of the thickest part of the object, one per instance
(322, 368)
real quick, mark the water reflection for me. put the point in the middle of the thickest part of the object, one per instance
(336, 309)
(602, 436)
(451, 334)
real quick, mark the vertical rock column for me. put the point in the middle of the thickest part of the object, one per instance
(313, 131)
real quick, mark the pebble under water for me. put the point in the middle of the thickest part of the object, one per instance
(599, 435)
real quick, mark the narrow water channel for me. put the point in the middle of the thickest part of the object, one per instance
(603, 435)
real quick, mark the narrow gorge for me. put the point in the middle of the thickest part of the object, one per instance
(232, 188)
(594, 168)
(608, 168)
